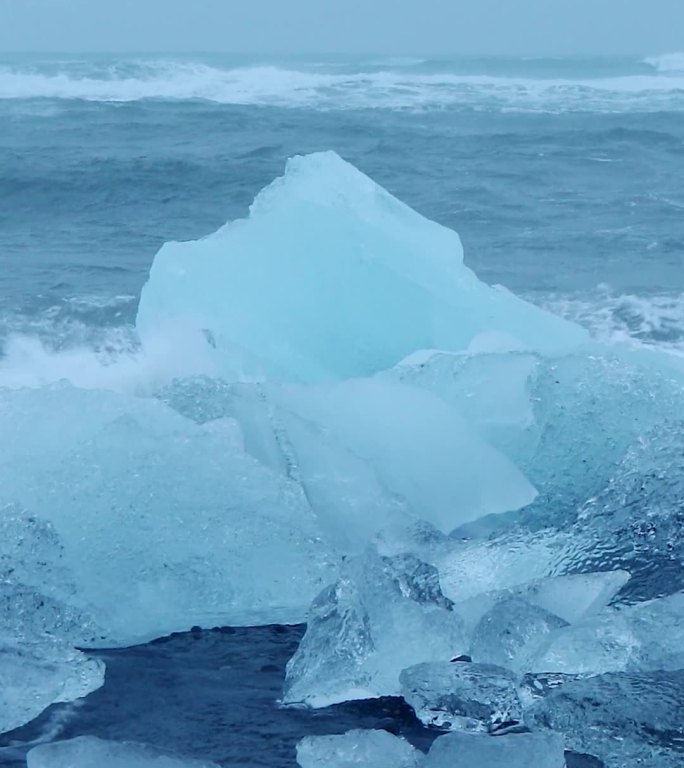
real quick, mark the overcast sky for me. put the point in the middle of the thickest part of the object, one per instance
(353, 26)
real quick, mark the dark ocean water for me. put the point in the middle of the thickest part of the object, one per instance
(213, 695)
(209, 695)
(562, 177)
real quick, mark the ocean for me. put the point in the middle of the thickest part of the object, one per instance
(563, 178)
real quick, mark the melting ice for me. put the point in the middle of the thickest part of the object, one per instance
(472, 503)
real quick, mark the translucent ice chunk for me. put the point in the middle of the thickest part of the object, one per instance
(605, 643)
(637, 638)
(164, 523)
(383, 615)
(91, 752)
(462, 696)
(588, 409)
(636, 520)
(566, 421)
(571, 598)
(35, 675)
(511, 632)
(625, 720)
(367, 453)
(520, 750)
(575, 596)
(332, 277)
(419, 448)
(357, 749)
(38, 626)
(350, 502)
(492, 391)
(470, 567)
(37, 586)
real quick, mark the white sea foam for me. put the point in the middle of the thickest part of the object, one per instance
(654, 321)
(395, 87)
(116, 364)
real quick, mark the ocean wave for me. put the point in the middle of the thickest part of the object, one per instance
(398, 88)
(667, 62)
(654, 320)
(103, 324)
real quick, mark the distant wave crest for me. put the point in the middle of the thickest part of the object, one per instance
(668, 62)
(390, 88)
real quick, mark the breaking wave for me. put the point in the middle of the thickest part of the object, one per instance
(394, 85)
(656, 320)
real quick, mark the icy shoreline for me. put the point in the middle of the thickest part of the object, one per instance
(326, 404)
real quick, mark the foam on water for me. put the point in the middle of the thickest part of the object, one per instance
(655, 320)
(388, 84)
(120, 365)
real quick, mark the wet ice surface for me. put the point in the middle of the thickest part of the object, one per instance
(212, 695)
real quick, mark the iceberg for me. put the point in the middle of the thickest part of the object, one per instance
(331, 277)
(89, 751)
(356, 420)
(358, 749)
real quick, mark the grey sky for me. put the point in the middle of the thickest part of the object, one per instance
(319, 26)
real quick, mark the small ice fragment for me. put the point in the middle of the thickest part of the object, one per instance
(358, 749)
(35, 675)
(571, 598)
(91, 752)
(520, 750)
(637, 638)
(383, 615)
(462, 696)
(510, 633)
